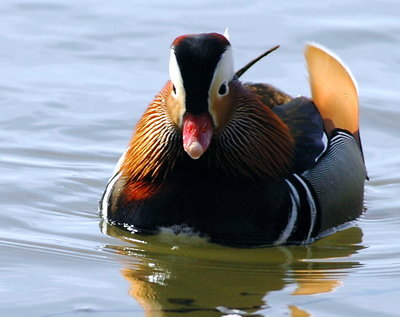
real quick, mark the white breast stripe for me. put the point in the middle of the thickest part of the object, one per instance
(110, 185)
(119, 163)
(324, 140)
(311, 203)
(107, 194)
(294, 196)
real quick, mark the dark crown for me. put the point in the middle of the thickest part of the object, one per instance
(197, 56)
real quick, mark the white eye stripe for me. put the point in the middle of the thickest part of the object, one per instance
(175, 75)
(178, 92)
(223, 74)
(219, 87)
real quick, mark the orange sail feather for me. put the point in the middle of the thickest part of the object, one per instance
(334, 90)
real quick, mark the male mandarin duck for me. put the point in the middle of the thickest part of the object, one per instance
(241, 164)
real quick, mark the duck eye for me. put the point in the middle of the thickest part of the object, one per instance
(223, 89)
(174, 89)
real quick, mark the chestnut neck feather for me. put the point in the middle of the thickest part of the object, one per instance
(156, 145)
(254, 144)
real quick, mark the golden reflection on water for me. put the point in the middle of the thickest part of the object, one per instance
(169, 275)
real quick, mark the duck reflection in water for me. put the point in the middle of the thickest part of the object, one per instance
(190, 277)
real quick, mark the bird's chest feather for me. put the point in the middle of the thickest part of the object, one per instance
(209, 202)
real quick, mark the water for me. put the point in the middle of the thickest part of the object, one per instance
(76, 76)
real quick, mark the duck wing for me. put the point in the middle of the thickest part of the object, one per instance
(306, 127)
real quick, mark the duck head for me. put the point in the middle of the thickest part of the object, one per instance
(205, 112)
(201, 73)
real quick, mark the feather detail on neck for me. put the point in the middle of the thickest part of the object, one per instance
(156, 144)
(255, 143)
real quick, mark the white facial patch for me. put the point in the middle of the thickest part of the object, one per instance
(223, 74)
(176, 77)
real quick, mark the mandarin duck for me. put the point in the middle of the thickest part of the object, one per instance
(241, 164)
